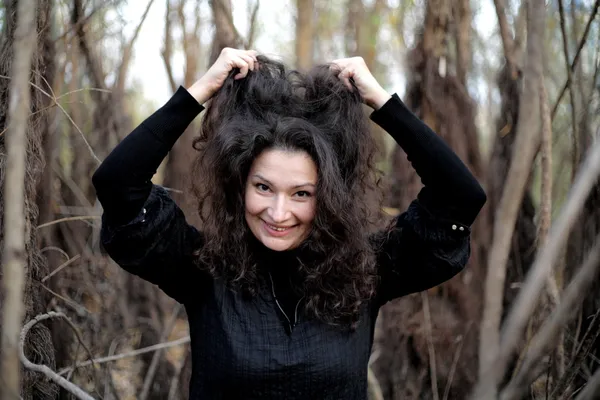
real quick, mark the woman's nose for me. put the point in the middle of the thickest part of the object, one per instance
(278, 211)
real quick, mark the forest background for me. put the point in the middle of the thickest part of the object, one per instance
(511, 85)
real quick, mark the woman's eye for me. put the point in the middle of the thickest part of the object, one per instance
(303, 193)
(262, 187)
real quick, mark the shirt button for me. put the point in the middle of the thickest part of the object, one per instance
(453, 227)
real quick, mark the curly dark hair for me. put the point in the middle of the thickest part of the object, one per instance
(313, 112)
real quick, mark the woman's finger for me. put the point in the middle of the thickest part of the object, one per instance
(240, 63)
(249, 60)
(345, 76)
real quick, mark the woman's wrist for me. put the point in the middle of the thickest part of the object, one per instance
(378, 99)
(201, 91)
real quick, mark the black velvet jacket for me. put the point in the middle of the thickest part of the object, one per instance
(265, 348)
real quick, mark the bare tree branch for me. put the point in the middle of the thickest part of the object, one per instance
(166, 52)
(592, 389)
(551, 330)
(14, 255)
(528, 296)
(65, 384)
(128, 52)
(561, 388)
(527, 136)
(575, 136)
(156, 356)
(134, 353)
(94, 64)
(252, 24)
(577, 55)
(60, 267)
(507, 40)
(430, 348)
(55, 102)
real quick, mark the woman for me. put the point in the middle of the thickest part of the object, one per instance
(283, 285)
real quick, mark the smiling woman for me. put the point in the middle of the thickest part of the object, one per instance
(280, 198)
(284, 282)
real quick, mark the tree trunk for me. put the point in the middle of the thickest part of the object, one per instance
(527, 139)
(588, 224)
(403, 366)
(304, 34)
(20, 172)
(463, 19)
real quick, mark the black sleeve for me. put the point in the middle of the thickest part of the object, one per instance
(430, 242)
(158, 246)
(143, 230)
(123, 180)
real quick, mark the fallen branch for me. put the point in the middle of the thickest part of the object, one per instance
(550, 331)
(133, 353)
(62, 382)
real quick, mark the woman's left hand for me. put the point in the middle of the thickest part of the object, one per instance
(356, 69)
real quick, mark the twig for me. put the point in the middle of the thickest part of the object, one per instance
(592, 389)
(252, 24)
(62, 382)
(134, 353)
(581, 352)
(66, 115)
(552, 328)
(454, 364)
(563, 29)
(82, 21)
(166, 50)
(83, 89)
(128, 51)
(78, 218)
(108, 381)
(175, 380)
(432, 362)
(576, 59)
(76, 306)
(63, 265)
(156, 356)
(527, 298)
(54, 248)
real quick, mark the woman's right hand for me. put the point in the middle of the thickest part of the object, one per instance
(204, 88)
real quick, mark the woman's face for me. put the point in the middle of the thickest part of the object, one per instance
(280, 198)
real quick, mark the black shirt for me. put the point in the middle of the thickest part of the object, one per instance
(263, 347)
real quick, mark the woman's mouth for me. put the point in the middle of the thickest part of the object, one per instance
(277, 231)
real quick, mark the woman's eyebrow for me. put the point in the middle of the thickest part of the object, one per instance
(304, 184)
(262, 178)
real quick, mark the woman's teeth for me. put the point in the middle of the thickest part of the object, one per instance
(277, 229)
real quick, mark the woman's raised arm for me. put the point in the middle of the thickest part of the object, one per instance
(143, 230)
(429, 243)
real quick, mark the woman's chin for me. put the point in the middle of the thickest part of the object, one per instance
(276, 244)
